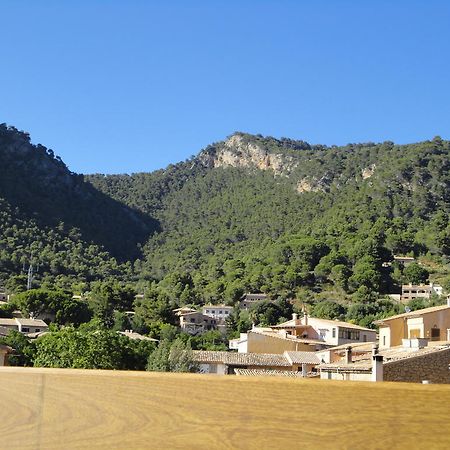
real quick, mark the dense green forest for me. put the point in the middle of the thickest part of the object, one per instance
(296, 221)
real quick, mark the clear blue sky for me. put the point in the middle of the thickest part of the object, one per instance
(126, 86)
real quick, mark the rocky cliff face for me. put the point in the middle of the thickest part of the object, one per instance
(238, 152)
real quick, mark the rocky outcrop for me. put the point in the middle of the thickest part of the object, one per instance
(313, 185)
(368, 171)
(238, 152)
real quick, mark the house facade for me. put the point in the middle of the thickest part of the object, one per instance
(329, 332)
(425, 291)
(219, 312)
(249, 299)
(196, 322)
(432, 324)
(22, 325)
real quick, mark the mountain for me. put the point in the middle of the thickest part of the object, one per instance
(248, 213)
(51, 216)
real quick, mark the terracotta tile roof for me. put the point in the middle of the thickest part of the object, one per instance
(241, 359)
(267, 373)
(364, 362)
(416, 313)
(302, 357)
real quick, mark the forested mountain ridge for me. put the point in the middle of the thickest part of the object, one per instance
(248, 213)
(53, 218)
(258, 213)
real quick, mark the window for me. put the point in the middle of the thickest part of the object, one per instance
(25, 330)
(384, 341)
(226, 312)
(334, 332)
(192, 320)
(345, 333)
(364, 338)
(435, 333)
(207, 311)
(37, 330)
(220, 312)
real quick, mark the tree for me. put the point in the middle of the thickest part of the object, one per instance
(328, 309)
(173, 356)
(84, 348)
(416, 274)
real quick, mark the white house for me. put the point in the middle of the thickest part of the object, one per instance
(219, 312)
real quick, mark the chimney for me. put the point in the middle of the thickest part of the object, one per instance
(374, 349)
(294, 316)
(348, 355)
(377, 368)
(305, 316)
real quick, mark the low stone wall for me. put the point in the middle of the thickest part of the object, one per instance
(432, 366)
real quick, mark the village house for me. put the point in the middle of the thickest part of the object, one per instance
(195, 322)
(268, 340)
(413, 362)
(130, 334)
(219, 312)
(183, 310)
(425, 291)
(225, 363)
(306, 334)
(405, 260)
(432, 324)
(329, 332)
(25, 326)
(249, 299)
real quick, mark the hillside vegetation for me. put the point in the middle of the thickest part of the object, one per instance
(250, 213)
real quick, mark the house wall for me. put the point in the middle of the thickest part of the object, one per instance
(213, 368)
(344, 376)
(433, 366)
(384, 334)
(439, 318)
(2, 359)
(261, 343)
(396, 332)
(323, 330)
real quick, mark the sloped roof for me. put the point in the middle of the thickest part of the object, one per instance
(267, 373)
(339, 323)
(136, 336)
(241, 359)
(393, 354)
(31, 322)
(302, 357)
(416, 313)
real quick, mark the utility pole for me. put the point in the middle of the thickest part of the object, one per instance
(30, 277)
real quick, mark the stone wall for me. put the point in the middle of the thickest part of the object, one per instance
(432, 366)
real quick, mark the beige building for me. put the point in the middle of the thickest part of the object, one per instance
(425, 291)
(432, 324)
(196, 322)
(249, 299)
(329, 332)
